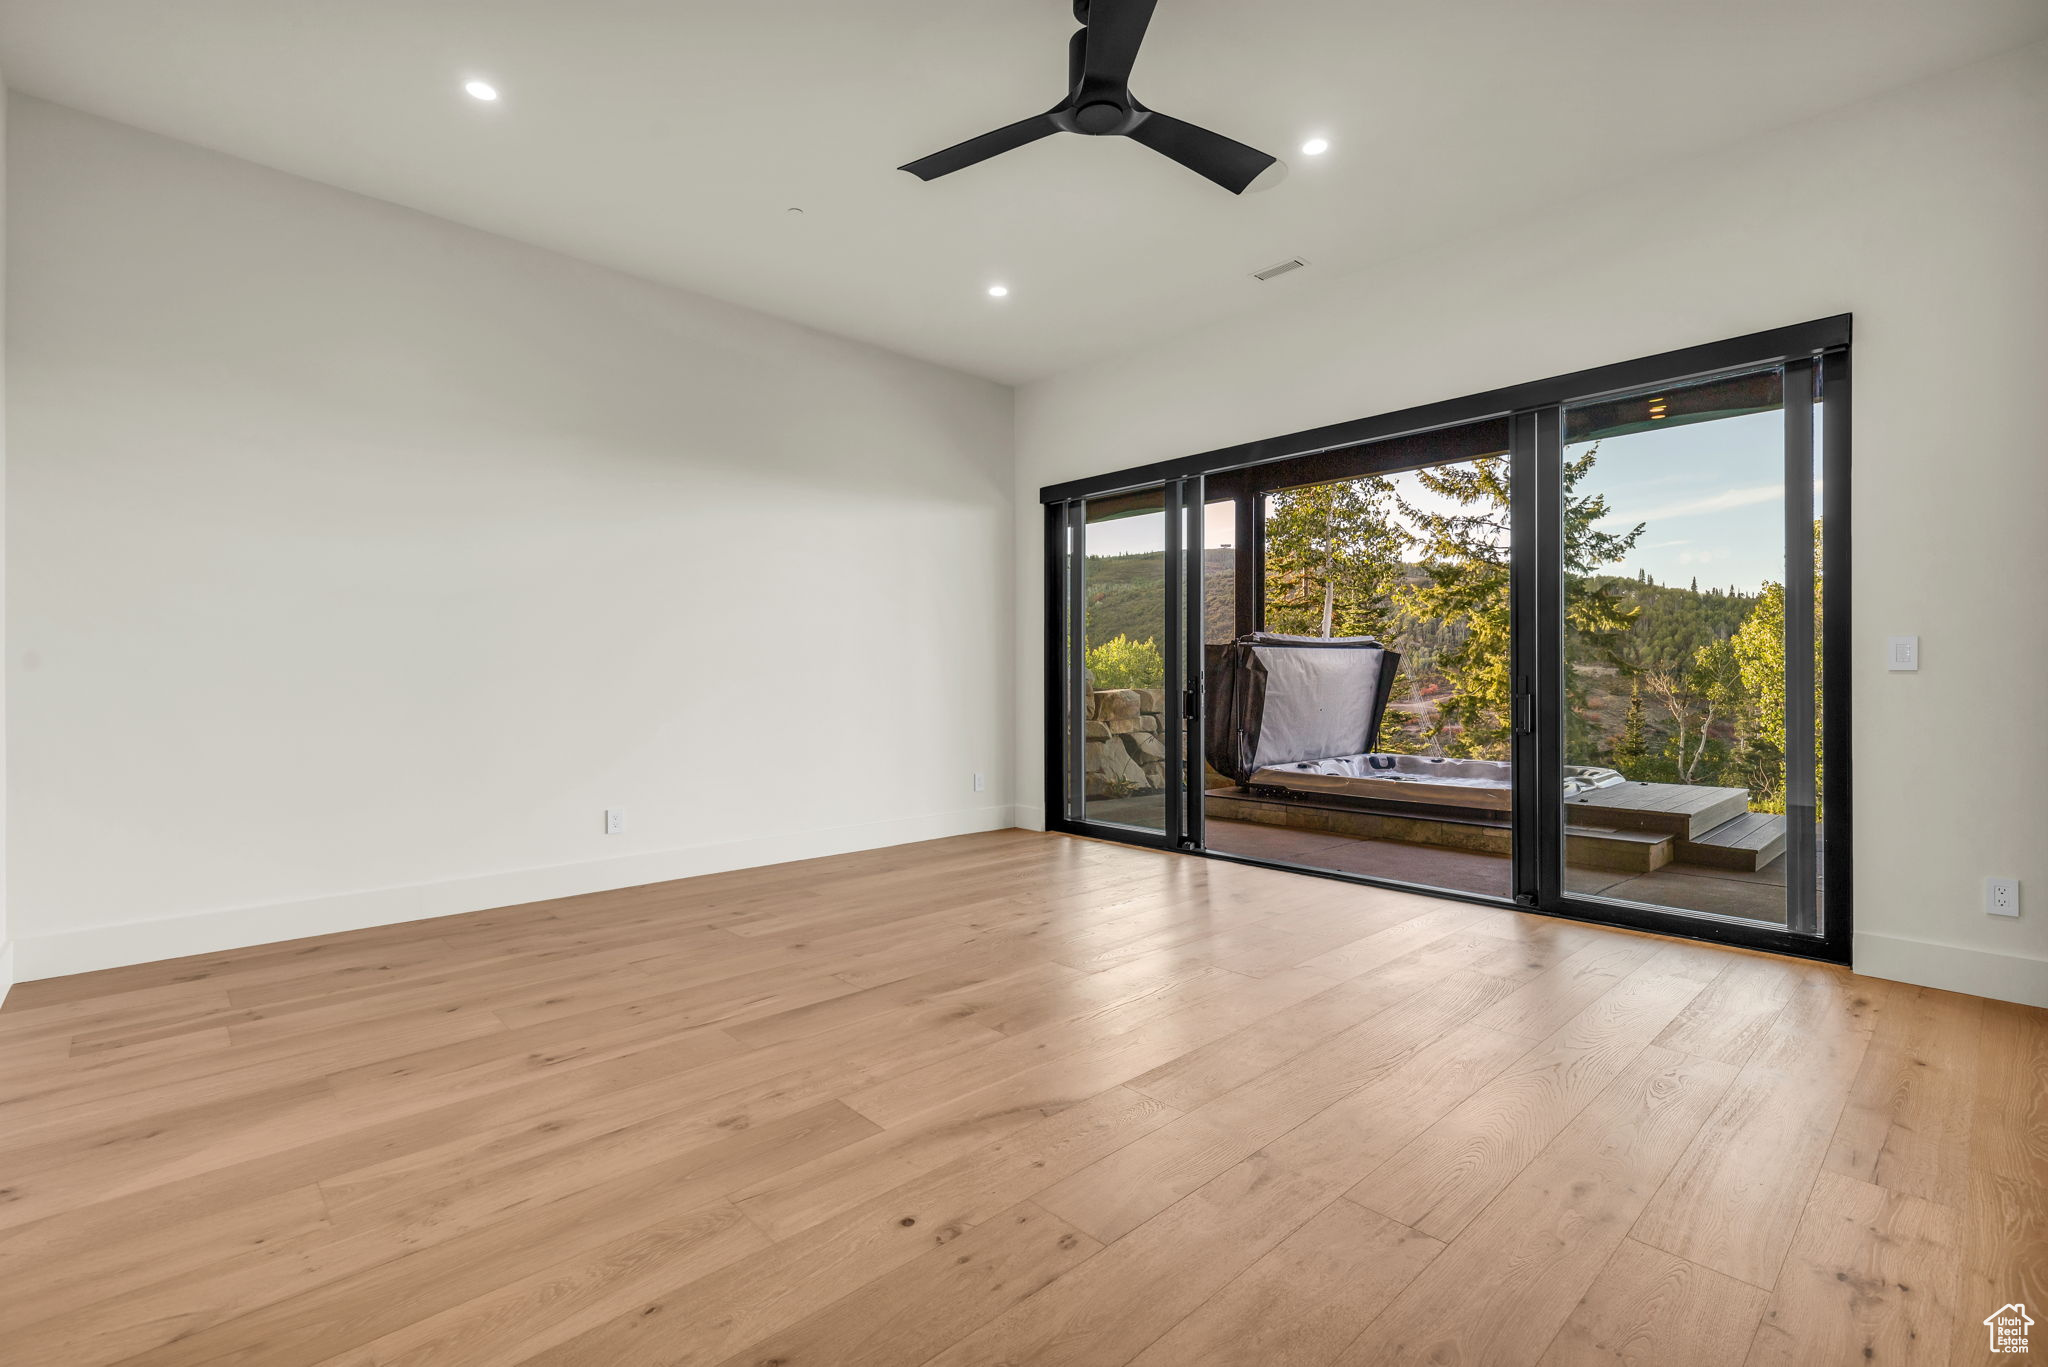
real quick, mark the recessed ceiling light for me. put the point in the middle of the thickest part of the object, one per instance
(481, 90)
(1315, 147)
(998, 291)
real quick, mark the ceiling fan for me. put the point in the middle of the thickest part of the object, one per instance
(1099, 103)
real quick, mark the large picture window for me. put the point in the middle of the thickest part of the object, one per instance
(1561, 646)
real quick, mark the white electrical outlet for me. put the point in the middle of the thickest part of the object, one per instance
(981, 783)
(1902, 654)
(615, 821)
(2001, 897)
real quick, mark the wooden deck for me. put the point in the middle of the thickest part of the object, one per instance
(1682, 809)
(1758, 896)
(1632, 828)
(1012, 1099)
(1685, 823)
(1752, 841)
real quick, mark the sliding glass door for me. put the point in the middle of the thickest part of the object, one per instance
(1690, 665)
(1121, 581)
(1396, 544)
(1560, 647)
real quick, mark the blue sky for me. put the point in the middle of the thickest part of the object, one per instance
(1712, 496)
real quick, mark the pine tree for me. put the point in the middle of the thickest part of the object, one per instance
(1634, 746)
(1333, 556)
(1465, 583)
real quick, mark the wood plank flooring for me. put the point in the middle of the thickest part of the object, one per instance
(1012, 1099)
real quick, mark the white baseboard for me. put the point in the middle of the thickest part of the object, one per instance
(1979, 972)
(1029, 818)
(6, 969)
(208, 932)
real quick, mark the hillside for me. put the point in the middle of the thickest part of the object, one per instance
(1125, 597)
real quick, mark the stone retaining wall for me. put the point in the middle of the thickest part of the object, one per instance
(1126, 745)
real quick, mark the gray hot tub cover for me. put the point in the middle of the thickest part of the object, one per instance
(1283, 699)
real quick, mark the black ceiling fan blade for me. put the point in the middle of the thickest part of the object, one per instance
(1116, 29)
(967, 153)
(1226, 161)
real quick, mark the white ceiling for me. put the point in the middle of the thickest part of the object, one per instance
(669, 139)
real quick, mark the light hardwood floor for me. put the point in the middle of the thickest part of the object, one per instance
(1012, 1099)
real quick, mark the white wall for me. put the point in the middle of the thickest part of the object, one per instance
(359, 561)
(1922, 213)
(7, 965)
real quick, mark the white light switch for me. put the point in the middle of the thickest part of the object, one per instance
(1902, 654)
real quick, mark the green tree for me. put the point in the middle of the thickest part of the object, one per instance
(1121, 662)
(1333, 556)
(1634, 745)
(1465, 581)
(1759, 646)
(1710, 687)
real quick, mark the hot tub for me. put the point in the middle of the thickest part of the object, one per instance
(1299, 716)
(1416, 779)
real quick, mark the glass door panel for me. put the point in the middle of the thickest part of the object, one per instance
(1217, 581)
(1419, 560)
(1123, 567)
(1682, 529)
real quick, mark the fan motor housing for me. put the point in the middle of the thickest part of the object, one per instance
(1100, 118)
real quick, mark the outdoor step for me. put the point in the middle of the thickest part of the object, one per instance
(1617, 851)
(1686, 810)
(1749, 842)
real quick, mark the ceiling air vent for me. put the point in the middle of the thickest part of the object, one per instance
(1285, 266)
